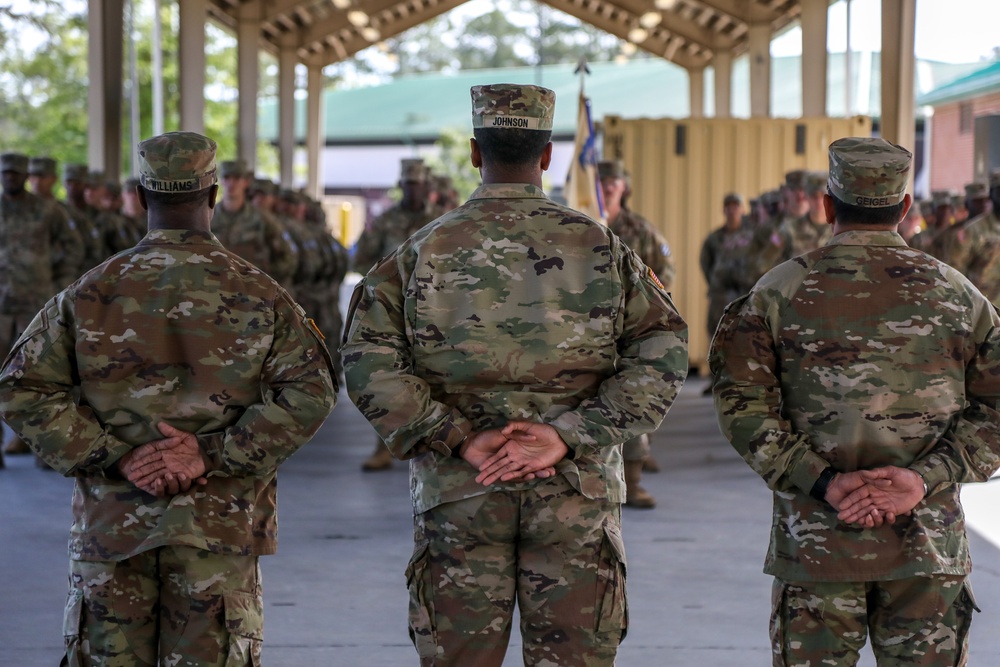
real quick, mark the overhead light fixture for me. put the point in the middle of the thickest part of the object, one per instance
(357, 18)
(371, 34)
(621, 59)
(650, 19)
(664, 4)
(637, 35)
(629, 49)
(341, 4)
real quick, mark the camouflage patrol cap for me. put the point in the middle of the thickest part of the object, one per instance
(942, 198)
(977, 191)
(14, 162)
(264, 186)
(771, 197)
(816, 182)
(75, 172)
(177, 162)
(732, 198)
(41, 166)
(868, 172)
(114, 188)
(514, 106)
(611, 169)
(236, 167)
(412, 170)
(796, 179)
(95, 179)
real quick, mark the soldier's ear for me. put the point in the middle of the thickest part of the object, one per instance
(141, 192)
(213, 195)
(475, 156)
(546, 156)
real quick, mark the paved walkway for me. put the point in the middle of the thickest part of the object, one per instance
(335, 596)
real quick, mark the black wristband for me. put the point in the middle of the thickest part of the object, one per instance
(822, 483)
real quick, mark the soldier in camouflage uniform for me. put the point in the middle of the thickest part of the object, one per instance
(812, 230)
(772, 244)
(248, 231)
(931, 240)
(980, 261)
(132, 209)
(75, 179)
(182, 419)
(722, 258)
(639, 235)
(859, 380)
(507, 350)
(115, 231)
(952, 244)
(383, 236)
(40, 253)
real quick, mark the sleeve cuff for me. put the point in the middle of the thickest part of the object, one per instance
(935, 474)
(807, 471)
(450, 435)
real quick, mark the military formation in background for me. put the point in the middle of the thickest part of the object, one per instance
(46, 244)
(962, 231)
(641, 236)
(425, 197)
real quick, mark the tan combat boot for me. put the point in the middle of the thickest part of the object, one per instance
(16, 446)
(649, 464)
(381, 459)
(635, 495)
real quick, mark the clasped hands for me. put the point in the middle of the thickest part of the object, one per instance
(870, 498)
(520, 451)
(167, 466)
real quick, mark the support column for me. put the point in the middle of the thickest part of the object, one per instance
(248, 77)
(191, 55)
(814, 58)
(723, 65)
(286, 108)
(104, 99)
(759, 44)
(898, 28)
(315, 131)
(696, 92)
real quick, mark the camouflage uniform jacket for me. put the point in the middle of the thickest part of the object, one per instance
(861, 354)
(94, 249)
(722, 245)
(40, 252)
(386, 233)
(512, 307)
(258, 238)
(804, 235)
(981, 261)
(640, 235)
(180, 330)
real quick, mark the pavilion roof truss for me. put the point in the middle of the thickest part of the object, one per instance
(686, 32)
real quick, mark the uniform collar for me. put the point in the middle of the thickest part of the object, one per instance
(175, 236)
(868, 238)
(508, 191)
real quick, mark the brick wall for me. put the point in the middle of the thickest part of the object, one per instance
(951, 149)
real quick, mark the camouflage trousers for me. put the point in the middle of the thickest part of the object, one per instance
(172, 606)
(636, 449)
(919, 621)
(559, 553)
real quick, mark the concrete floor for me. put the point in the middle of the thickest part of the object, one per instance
(335, 595)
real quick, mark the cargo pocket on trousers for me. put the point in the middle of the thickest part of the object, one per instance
(72, 619)
(612, 617)
(965, 607)
(245, 624)
(418, 583)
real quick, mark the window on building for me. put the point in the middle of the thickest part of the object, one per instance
(965, 118)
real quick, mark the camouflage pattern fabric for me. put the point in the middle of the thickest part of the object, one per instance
(116, 232)
(868, 172)
(723, 262)
(183, 331)
(981, 260)
(386, 233)
(816, 367)
(918, 621)
(512, 307)
(167, 606)
(258, 238)
(470, 560)
(177, 162)
(515, 106)
(804, 235)
(40, 253)
(94, 248)
(640, 235)
(770, 246)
